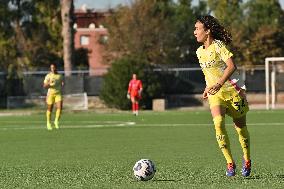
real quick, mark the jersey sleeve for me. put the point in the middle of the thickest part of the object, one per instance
(46, 79)
(198, 53)
(129, 87)
(223, 51)
(140, 85)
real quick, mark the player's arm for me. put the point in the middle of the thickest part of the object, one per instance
(140, 88)
(128, 90)
(129, 87)
(46, 82)
(230, 69)
(205, 93)
(62, 82)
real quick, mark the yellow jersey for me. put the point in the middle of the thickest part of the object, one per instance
(213, 63)
(55, 83)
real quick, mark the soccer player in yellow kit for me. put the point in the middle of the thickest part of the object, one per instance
(53, 81)
(225, 90)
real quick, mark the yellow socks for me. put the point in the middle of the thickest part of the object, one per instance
(57, 116)
(48, 118)
(244, 141)
(222, 137)
(56, 120)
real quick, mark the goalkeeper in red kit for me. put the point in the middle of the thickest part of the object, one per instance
(134, 93)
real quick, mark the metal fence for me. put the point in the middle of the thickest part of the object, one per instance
(30, 84)
(254, 78)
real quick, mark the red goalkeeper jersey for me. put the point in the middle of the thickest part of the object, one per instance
(134, 87)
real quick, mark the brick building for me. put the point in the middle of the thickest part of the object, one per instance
(91, 34)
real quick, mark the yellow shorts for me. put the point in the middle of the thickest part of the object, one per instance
(53, 98)
(236, 107)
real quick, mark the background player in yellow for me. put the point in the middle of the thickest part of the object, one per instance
(224, 90)
(53, 81)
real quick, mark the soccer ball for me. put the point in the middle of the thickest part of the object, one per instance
(144, 169)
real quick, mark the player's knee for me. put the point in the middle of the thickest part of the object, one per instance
(240, 122)
(49, 108)
(219, 121)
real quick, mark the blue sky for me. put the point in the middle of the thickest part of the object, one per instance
(99, 4)
(104, 4)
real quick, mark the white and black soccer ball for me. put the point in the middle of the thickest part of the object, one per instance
(144, 169)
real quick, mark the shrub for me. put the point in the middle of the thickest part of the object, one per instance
(115, 84)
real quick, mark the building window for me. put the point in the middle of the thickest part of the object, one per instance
(84, 39)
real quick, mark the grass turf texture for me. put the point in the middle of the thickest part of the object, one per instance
(93, 150)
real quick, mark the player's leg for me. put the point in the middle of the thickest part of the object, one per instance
(218, 112)
(244, 139)
(49, 102)
(133, 101)
(59, 104)
(237, 110)
(136, 105)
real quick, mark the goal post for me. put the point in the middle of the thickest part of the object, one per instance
(271, 61)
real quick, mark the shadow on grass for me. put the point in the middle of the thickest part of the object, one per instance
(280, 176)
(255, 177)
(166, 180)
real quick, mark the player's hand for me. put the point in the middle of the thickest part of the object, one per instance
(51, 83)
(128, 96)
(214, 89)
(205, 93)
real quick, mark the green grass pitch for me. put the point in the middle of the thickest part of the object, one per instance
(96, 150)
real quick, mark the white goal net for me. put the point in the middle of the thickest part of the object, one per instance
(71, 101)
(273, 68)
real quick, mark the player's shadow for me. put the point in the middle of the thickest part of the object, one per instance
(254, 177)
(280, 176)
(167, 180)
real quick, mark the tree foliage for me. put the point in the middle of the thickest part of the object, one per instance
(157, 31)
(263, 31)
(257, 28)
(161, 31)
(116, 81)
(31, 34)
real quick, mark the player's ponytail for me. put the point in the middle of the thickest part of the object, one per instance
(217, 30)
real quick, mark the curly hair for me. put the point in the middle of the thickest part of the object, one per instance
(217, 30)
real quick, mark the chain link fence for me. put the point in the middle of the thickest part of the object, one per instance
(30, 84)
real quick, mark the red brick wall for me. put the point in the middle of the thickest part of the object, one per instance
(95, 48)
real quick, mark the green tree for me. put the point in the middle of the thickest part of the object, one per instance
(142, 29)
(231, 14)
(263, 32)
(31, 32)
(256, 27)
(7, 42)
(116, 81)
(182, 24)
(267, 42)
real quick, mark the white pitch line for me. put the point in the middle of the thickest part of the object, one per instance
(120, 124)
(65, 121)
